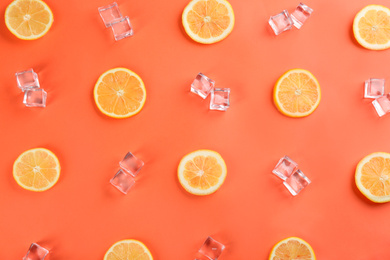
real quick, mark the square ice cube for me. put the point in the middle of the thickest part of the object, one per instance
(110, 14)
(296, 182)
(35, 97)
(202, 85)
(36, 252)
(122, 28)
(382, 105)
(211, 248)
(285, 167)
(131, 164)
(280, 22)
(27, 79)
(300, 15)
(220, 99)
(122, 181)
(374, 88)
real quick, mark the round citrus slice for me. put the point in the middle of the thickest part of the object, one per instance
(292, 248)
(128, 249)
(119, 93)
(36, 169)
(208, 21)
(372, 177)
(28, 19)
(371, 27)
(202, 172)
(297, 93)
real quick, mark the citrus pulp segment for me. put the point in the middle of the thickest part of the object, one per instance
(208, 21)
(202, 172)
(297, 93)
(36, 169)
(372, 177)
(28, 19)
(292, 248)
(371, 27)
(128, 249)
(119, 93)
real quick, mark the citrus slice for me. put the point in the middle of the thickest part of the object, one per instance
(292, 248)
(371, 27)
(128, 249)
(28, 19)
(372, 177)
(36, 169)
(119, 93)
(202, 172)
(208, 21)
(297, 93)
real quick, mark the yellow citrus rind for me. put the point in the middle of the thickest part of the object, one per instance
(141, 252)
(306, 251)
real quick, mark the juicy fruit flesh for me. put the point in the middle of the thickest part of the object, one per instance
(36, 169)
(292, 250)
(127, 250)
(202, 172)
(298, 93)
(376, 176)
(120, 93)
(208, 19)
(374, 27)
(28, 18)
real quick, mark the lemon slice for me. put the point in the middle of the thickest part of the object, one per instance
(129, 249)
(292, 248)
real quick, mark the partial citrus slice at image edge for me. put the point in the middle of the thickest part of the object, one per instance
(130, 249)
(371, 27)
(119, 93)
(202, 172)
(208, 21)
(36, 169)
(372, 177)
(292, 248)
(297, 93)
(28, 19)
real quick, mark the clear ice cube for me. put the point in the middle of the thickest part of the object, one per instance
(211, 248)
(35, 97)
(36, 252)
(285, 167)
(110, 14)
(296, 182)
(280, 22)
(122, 28)
(122, 181)
(27, 79)
(202, 85)
(300, 15)
(131, 164)
(382, 105)
(220, 99)
(374, 88)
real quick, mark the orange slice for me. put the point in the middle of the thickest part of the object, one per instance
(36, 169)
(208, 21)
(297, 93)
(28, 19)
(371, 27)
(292, 248)
(372, 177)
(128, 249)
(202, 172)
(120, 93)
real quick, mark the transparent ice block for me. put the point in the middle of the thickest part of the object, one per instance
(36, 252)
(131, 164)
(122, 181)
(110, 14)
(296, 182)
(300, 15)
(202, 85)
(374, 88)
(211, 249)
(220, 99)
(280, 22)
(27, 79)
(122, 28)
(285, 167)
(382, 105)
(35, 97)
